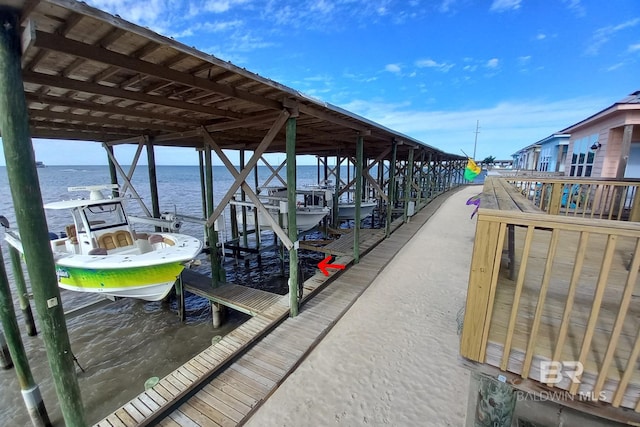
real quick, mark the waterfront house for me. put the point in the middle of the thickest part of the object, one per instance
(607, 144)
(547, 155)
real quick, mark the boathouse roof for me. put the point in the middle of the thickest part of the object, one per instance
(89, 75)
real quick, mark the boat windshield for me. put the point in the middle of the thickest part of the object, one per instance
(105, 215)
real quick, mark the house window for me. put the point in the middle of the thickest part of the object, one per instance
(545, 158)
(582, 158)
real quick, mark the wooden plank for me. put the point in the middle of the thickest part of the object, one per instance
(211, 398)
(182, 419)
(257, 389)
(125, 417)
(230, 396)
(622, 313)
(597, 301)
(516, 299)
(256, 373)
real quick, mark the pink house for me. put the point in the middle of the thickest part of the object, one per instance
(607, 144)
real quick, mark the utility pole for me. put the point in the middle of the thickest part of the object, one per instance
(475, 143)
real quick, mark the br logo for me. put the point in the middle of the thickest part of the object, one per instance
(552, 372)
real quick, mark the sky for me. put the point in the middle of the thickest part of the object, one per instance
(514, 70)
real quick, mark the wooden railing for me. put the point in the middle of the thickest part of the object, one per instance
(582, 198)
(573, 297)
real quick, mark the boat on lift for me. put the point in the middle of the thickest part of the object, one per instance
(102, 253)
(308, 215)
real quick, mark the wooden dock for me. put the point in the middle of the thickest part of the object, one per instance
(228, 381)
(242, 298)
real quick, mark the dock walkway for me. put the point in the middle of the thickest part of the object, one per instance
(228, 381)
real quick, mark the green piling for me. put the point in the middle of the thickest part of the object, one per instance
(23, 295)
(30, 390)
(291, 208)
(358, 200)
(27, 200)
(391, 186)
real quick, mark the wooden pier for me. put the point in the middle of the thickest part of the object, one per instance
(228, 381)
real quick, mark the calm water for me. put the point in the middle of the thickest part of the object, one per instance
(121, 345)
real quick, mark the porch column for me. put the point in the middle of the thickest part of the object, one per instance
(291, 208)
(625, 150)
(32, 223)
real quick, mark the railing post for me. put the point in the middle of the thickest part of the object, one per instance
(556, 198)
(480, 279)
(634, 215)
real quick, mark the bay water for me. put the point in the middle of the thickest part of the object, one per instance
(121, 345)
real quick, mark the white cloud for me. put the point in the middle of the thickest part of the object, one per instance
(221, 6)
(504, 5)
(634, 47)
(524, 60)
(430, 63)
(615, 66)
(445, 6)
(393, 68)
(504, 128)
(604, 34)
(493, 63)
(541, 36)
(576, 7)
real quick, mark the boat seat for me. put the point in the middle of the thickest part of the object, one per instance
(71, 233)
(123, 238)
(98, 251)
(157, 241)
(107, 241)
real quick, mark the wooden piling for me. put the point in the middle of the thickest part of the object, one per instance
(336, 194)
(27, 201)
(5, 356)
(391, 186)
(23, 295)
(30, 390)
(153, 179)
(293, 227)
(407, 185)
(113, 172)
(490, 403)
(358, 200)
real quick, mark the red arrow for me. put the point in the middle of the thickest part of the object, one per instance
(324, 264)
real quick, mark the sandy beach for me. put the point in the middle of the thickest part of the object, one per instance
(393, 358)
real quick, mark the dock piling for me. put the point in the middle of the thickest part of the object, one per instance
(5, 356)
(27, 201)
(23, 295)
(491, 402)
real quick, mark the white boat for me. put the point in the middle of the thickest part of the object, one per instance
(347, 210)
(102, 253)
(306, 217)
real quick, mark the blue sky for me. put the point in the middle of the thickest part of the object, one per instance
(429, 69)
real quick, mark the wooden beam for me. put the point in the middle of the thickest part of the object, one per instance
(322, 115)
(87, 105)
(248, 190)
(240, 178)
(78, 49)
(86, 118)
(93, 88)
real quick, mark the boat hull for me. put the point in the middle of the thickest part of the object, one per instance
(150, 283)
(348, 210)
(306, 219)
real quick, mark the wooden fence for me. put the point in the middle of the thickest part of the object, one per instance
(574, 295)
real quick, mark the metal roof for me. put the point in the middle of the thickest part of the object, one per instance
(92, 76)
